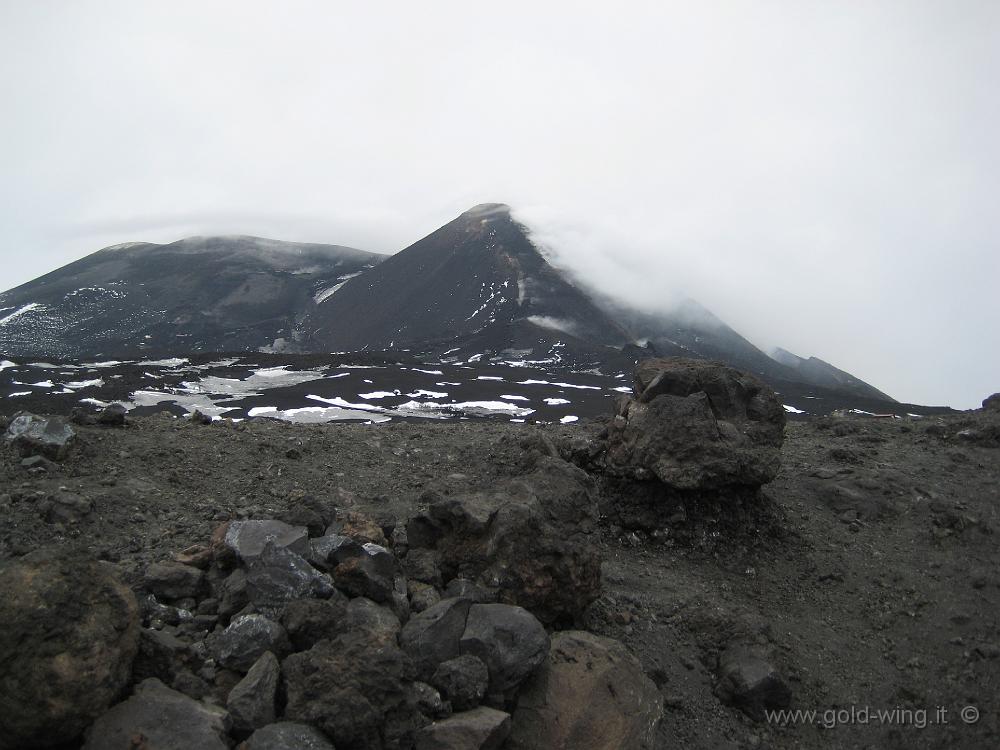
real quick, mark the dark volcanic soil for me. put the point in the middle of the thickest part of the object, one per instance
(872, 569)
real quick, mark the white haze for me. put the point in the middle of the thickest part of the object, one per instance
(821, 175)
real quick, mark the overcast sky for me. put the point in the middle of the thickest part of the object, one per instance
(824, 176)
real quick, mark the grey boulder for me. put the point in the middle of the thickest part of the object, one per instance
(251, 702)
(51, 437)
(163, 719)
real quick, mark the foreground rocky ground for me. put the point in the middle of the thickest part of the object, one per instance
(864, 578)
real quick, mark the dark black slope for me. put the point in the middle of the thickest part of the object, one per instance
(477, 273)
(690, 330)
(198, 294)
(815, 370)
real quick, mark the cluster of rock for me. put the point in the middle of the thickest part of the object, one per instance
(337, 632)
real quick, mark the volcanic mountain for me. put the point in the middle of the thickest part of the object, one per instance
(199, 294)
(476, 289)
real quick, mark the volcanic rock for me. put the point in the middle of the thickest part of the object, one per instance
(49, 436)
(590, 694)
(69, 631)
(278, 576)
(309, 621)
(288, 735)
(245, 640)
(509, 640)
(696, 425)
(247, 538)
(370, 574)
(160, 718)
(434, 635)
(251, 703)
(347, 687)
(112, 415)
(479, 729)
(171, 580)
(462, 680)
(750, 682)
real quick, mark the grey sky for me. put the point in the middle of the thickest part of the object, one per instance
(822, 175)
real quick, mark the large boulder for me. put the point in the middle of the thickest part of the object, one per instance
(992, 403)
(69, 631)
(589, 694)
(696, 425)
(161, 718)
(531, 539)
(47, 436)
(350, 687)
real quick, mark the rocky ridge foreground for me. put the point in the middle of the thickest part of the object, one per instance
(454, 625)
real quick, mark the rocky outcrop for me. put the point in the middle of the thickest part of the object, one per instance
(590, 694)
(696, 425)
(69, 631)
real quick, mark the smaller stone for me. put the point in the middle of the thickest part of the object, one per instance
(197, 555)
(422, 595)
(434, 635)
(112, 415)
(328, 551)
(288, 735)
(361, 528)
(462, 680)
(750, 683)
(247, 538)
(309, 621)
(64, 507)
(371, 574)
(172, 580)
(251, 703)
(278, 576)
(423, 565)
(197, 417)
(480, 729)
(245, 640)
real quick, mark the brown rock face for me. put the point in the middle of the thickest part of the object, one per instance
(696, 426)
(591, 694)
(69, 631)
